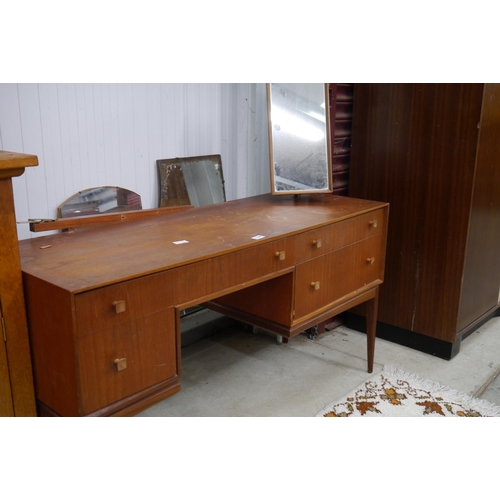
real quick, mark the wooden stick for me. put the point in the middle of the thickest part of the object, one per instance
(74, 222)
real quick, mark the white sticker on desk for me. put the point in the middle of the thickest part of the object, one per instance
(258, 237)
(180, 242)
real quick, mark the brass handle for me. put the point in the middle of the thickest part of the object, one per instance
(120, 363)
(370, 260)
(373, 223)
(317, 243)
(315, 285)
(119, 306)
(280, 255)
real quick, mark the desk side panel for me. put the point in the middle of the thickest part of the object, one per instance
(51, 328)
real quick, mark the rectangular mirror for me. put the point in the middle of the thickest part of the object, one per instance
(299, 138)
(193, 180)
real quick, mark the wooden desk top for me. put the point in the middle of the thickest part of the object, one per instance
(82, 260)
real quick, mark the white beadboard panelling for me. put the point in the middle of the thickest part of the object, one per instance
(11, 140)
(100, 161)
(66, 105)
(229, 164)
(144, 168)
(260, 140)
(154, 107)
(126, 136)
(31, 133)
(87, 135)
(52, 145)
(241, 103)
(112, 135)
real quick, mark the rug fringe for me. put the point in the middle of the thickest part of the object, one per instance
(430, 385)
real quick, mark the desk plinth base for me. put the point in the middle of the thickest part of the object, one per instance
(127, 407)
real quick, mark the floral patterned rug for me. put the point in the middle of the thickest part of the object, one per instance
(395, 393)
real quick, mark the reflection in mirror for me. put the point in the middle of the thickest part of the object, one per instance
(299, 138)
(99, 200)
(194, 180)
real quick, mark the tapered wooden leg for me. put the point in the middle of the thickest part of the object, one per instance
(371, 328)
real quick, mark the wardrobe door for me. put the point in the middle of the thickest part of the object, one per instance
(414, 146)
(481, 281)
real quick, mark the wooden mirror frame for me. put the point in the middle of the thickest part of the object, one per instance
(312, 172)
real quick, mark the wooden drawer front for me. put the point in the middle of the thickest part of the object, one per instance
(328, 238)
(121, 303)
(148, 346)
(231, 270)
(326, 279)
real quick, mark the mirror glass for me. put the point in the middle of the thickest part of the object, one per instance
(99, 200)
(299, 138)
(194, 180)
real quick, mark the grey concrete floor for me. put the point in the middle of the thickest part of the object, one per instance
(238, 372)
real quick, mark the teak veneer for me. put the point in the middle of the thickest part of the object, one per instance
(16, 380)
(103, 304)
(433, 151)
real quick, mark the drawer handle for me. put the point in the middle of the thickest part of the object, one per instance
(120, 363)
(280, 255)
(317, 243)
(370, 260)
(119, 306)
(315, 285)
(373, 223)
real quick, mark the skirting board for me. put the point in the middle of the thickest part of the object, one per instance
(417, 341)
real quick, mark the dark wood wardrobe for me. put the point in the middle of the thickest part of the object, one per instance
(433, 152)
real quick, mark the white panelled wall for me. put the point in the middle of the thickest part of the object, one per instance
(88, 135)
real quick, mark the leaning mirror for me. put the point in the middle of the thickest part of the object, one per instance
(99, 200)
(194, 180)
(299, 138)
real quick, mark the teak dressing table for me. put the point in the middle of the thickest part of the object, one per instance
(103, 303)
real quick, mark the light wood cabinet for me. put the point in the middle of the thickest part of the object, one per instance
(16, 380)
(103, 304)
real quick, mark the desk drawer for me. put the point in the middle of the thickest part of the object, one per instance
(117, 304)
(329, 238)
(222, 273)
(147, 349)
(326, 279)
